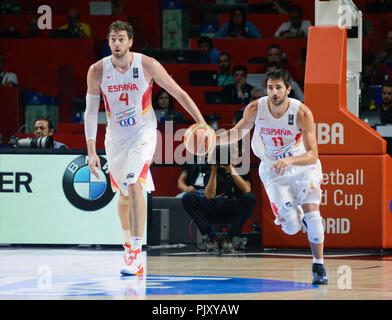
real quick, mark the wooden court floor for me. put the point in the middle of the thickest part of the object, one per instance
(66, 274)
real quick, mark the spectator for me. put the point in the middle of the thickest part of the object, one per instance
(74, 28)
(371, 76)
(379, 6)
(227, 194)
(208, 54)
(119, 7)
(271, 6)
(43, 127)
(224, 63)
(296, 91)
(238, 26)
(275, 54)
(257, 93)
(386, 104)
(239, 91)
(9, 7)
(385, 56)
(163, 104)
(296, 27)
(7, 79)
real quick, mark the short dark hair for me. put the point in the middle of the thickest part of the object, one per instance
(296, 9)
(205, 39)
(386, 84)
(274, 46)
(50, 123)
(279, 74)
(239, 68)
(121, 26)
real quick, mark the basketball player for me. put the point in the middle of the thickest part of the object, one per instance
(125, 80)
(290, 170)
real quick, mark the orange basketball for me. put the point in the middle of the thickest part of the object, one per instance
(199, 139)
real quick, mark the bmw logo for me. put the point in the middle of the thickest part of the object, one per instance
(83, 189)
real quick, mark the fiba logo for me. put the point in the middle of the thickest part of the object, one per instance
(83, 189)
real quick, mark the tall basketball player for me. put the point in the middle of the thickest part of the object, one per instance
(125, 80)
(290, 170)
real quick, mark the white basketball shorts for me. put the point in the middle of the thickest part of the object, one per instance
(300, 184)
(130, 162)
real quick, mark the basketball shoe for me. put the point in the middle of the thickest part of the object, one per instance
(133, 261)
(319, 274)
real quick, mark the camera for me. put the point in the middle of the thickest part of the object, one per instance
(41, 142)
(221, 155)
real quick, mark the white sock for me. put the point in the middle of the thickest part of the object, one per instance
(320, 261)
(136, 243)
(127, 236)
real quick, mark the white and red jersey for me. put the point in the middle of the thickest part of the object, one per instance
(127, 100)
(274, 138)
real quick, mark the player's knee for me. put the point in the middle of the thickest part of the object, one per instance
(290, 217)
(314, 227)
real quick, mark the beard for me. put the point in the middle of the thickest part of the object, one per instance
(278, 102)
(119, 54)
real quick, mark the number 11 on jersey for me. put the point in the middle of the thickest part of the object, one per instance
(278, 141)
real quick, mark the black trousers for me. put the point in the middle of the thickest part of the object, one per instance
(208, 212)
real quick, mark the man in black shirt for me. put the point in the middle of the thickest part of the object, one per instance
(386, 104)
(227, 195)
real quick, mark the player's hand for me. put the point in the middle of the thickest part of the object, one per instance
(93, 163)
(282, 165)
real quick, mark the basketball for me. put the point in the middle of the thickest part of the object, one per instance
(199, 139)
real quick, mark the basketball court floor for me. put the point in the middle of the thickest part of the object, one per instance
(183, 273)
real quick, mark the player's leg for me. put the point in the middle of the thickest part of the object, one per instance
(137, 219)
(315, 230)
(123, 214)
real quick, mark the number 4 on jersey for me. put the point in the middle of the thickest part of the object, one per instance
(124, 97)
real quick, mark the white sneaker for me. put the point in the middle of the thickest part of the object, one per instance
(133, 262)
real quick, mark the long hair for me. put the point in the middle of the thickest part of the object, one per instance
(231, 29)
(155, 101)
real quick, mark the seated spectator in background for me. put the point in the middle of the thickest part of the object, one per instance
(385, 56)
(379, 6)
(271, 6)
(224, 63)
(227, 194)
(7, 79)
(275, 54)
(239, 91)
(238, 27)
(371, 76)
(119, 7)
(74, 28)
(9, 7)
(386, 104)
(257, 93)
(296, 91)
(163, 105)
(43, 127)
(208, 54)
(296, 27)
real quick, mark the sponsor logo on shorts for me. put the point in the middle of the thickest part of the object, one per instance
(82, 189)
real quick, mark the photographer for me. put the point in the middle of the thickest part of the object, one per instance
(74, 28)
(227, 195)
(43, 127)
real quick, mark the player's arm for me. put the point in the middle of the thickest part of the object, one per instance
(158, 73)
(242, 128)
(305, 123)
(94, 77)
